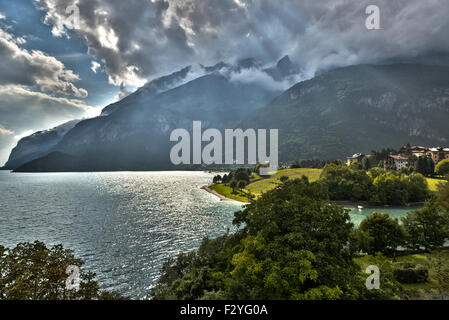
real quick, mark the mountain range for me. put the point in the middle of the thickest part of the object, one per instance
(335, 114)
(133, 134)
(359, 109)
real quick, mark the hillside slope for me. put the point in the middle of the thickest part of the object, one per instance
(358, 109)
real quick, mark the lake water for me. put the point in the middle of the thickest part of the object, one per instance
(122, 224)
(357, 215)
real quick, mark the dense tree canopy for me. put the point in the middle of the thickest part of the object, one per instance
(376, 186)
(31, 271)
(291, 244)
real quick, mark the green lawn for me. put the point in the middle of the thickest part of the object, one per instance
(258, 184)
(271, 182)
(226, 191)
(433, 183)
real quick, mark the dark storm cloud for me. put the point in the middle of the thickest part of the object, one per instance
(141, 39)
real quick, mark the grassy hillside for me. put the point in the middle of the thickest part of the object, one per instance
(433, 183)
(265, 184)
(258, 184)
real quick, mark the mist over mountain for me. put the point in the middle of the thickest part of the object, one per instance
(358, 109)
(37, 145)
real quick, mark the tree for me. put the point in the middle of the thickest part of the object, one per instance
(366, 165)
(241, 184)
(443, 196)
(391, 188)
(441, 270)
(217, 179)
(344, 183)
(385, 234)
(233, 185)
(426, 228)
(31, 271)
(430, 167)
(241, 174)
(375, 172)
(442, 168)
(283, 179)
(421, 165)
(417, 187)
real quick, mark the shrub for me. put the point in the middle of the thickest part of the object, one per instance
(442, 167)
(410, 273)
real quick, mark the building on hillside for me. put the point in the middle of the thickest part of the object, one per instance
(419, 151)
(437, 154)
(355, 158)
(396, 162)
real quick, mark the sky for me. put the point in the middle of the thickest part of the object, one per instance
(57, 66)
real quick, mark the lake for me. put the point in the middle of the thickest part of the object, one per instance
(358, 216)
(122, 224)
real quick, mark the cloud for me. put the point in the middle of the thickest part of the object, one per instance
(261, 78)
(123, 92)
(138, 40)
(35, 69)
(5, 132)
(24, 111)
(94, 67)
(37, 91)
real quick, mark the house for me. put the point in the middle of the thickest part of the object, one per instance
(355, 158)
(419, 151)
(396, 162)
(437, 154)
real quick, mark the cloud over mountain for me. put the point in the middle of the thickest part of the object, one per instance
(138, 40)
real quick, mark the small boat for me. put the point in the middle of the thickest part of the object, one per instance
(360, 207)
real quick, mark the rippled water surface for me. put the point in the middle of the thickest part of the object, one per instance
(123, 224)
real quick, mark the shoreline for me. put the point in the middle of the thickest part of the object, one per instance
(220, 196)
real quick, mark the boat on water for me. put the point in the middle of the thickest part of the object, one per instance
(360, 207)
